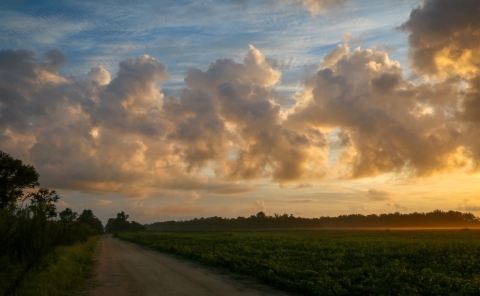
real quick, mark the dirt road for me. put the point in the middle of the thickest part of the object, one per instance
(128, 269)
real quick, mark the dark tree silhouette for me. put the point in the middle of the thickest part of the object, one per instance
(14, 177)
(68, 215)
(44, 201)
(121, 224)
(89, 218)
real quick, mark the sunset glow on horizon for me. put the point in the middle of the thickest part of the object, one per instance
(179, 109)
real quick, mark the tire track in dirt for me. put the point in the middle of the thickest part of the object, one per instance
(128, 269)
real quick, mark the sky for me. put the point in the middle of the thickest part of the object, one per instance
(170, 110)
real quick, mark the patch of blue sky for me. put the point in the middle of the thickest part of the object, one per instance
(192, 34)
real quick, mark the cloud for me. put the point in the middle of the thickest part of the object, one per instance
(379, 195)
(467, 205)
(230, 189)
(193, 196)
(356, 207)
(443, 37)
(184, 208)
(99, 75)
(444, 44)
(104, 202)
(258, 206)
(321, 6)
(303, 201)
(120, 133)
(387, 123)
(400, 207)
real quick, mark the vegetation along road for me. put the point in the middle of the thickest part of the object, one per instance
(128, 269)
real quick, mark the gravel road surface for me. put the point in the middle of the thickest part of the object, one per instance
(128, 269)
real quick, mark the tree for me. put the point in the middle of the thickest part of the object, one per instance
(118, 224)
(14, 177)
(68, 215)
(43, 201)
(87, 217)
(121, 224)
(261, 215)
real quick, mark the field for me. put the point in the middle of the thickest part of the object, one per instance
(407, 262)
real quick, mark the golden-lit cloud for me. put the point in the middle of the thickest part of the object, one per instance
(445, 37)
(381, 118)
(119, 133)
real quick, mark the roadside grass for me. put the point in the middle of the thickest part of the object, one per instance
(62, 272)
(421, 262)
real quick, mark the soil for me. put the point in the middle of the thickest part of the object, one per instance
(128, 269)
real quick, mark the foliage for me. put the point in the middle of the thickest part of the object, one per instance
(14, 177)
(44, 200)
(258, 221)
(27, 235)
(30, 232)
(69, 266)
(340, 262)
(87, 217)
(120, 223)
(433, 219)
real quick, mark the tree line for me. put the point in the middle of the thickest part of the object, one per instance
(258, 221)
(435, 219)
(120, 223)
(30, 224)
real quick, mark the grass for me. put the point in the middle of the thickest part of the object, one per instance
(433, 262)
(62, 272)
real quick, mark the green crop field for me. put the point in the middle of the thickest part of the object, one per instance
(416, 262)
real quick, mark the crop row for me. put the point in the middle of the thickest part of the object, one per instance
(337, 262)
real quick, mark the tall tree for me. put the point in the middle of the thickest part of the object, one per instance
(14, 177)
(44, 201)
(89, 218)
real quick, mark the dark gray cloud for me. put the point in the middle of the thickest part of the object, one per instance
(444, 36)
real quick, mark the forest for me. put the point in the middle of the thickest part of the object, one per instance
(435, 219)
(31, 227)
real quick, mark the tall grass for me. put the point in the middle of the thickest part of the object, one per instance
(27, 234)
(61, 272)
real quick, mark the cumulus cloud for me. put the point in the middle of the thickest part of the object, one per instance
(379, 195)
(444, 37)
(444, 44)
(258, 206)
(119, 133)
(383, 127)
